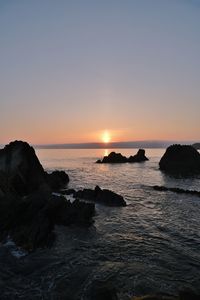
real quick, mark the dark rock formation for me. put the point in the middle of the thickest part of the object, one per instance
(180, 159)
(183, 295)
(28, 210)
(22, 170)
(188, 295)
(102, 196)
(114, 157)
(196, 146)
(176, 190)
(155, 297)
(57, 180)
(139, 157)
(102, 291)
(67, 192)
(30, 220)
(21, 167)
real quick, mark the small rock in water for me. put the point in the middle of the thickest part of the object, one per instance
(102, 196)
(114, 158)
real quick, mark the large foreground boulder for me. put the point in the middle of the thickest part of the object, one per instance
(102, 196)
(180, 159)
(114, 158)
(21, 167)
(22, 170)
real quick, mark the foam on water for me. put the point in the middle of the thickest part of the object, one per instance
(14, 250)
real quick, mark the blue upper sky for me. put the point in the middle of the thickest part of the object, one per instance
(72, 69)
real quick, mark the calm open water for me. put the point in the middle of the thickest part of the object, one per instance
(152, 245)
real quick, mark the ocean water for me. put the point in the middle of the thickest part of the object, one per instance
(150, 246)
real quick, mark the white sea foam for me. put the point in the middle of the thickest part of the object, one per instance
(14, 250)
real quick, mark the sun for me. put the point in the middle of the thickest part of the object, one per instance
(106, 137)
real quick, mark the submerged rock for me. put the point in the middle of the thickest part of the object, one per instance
(180, 159)
(176, 190)
(114, 157)
(102, 196)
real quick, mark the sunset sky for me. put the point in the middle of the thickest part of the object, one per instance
(74, 71)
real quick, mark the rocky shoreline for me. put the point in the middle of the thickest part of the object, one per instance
(33, 204)
(29, 210)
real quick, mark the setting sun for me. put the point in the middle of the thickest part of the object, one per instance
(106, 137)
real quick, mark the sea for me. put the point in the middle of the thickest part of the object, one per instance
(150, 246)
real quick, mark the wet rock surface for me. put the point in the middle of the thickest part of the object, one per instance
(114, 157)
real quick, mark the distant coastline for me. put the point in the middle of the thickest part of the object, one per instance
(113, 145)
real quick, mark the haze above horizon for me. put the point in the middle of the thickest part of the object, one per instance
(99, 71)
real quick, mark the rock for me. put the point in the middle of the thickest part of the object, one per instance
(57, 180)
(30, 220)
(21, 167)
(188, 295)
(196, 146)
(139, 157)
(5, 186)
(110, 198)
(67, 191)
(87, 194)
(28, 209)
(180, 159)
(176, 190)
(102, 196)
(155, 297)
(114, 157)
(160, 188)
(99, 161)
(23, 172)
(102, 291)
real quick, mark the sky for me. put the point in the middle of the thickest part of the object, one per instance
(76, 71)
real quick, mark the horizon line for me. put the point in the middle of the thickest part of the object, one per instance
(124, 144)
